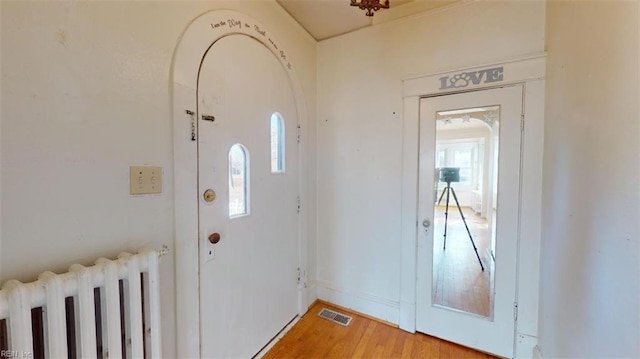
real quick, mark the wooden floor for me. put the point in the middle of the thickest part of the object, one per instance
(315, 337)
(458, 279)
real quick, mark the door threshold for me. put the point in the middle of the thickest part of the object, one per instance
(277, 338)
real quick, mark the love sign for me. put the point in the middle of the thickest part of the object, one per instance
(465, 79)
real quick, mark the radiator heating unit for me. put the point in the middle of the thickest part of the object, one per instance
(108, 310)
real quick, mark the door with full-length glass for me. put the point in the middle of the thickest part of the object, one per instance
(468, 211)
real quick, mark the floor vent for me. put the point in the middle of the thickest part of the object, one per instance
(334, 316)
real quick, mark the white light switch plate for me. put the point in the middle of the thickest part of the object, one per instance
(145, 179)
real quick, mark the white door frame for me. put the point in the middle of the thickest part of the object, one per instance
(529, 72)
(201, 34)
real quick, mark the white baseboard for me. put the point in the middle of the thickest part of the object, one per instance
(526, 346)
(374, 306)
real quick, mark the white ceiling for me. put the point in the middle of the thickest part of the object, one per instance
(327, 18)
(466, 119)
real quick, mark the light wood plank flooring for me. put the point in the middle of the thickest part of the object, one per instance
(459, 281)
(315, 337)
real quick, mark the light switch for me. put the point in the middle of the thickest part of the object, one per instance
(145, 179)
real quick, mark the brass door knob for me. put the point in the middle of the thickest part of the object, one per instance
(209, 195)
(214, 238)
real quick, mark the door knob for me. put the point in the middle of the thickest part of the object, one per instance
(209, 195)
(426, 223)
(214, 238)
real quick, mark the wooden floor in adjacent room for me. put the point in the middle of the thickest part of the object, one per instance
(315, 337)
(458, 279)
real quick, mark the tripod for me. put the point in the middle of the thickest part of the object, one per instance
(449, 190)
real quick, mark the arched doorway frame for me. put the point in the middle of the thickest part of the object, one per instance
(199, 36)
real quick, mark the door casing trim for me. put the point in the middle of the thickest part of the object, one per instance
(528, 71)
(190, 51)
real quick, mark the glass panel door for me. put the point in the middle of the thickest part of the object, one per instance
(464, 210)
(469, 181)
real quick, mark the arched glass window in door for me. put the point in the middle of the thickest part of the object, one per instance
(277, 143)
(238, 181)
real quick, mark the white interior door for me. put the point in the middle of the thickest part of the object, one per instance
(469, 180)
(248, 160)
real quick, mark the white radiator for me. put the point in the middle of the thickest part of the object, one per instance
(109, 310)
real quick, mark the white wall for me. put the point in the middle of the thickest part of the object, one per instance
(590, 271)
(360, 134)
(85, 94)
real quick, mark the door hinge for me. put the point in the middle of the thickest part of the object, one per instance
(299, 275)
(515, 311)
(299, 205)
(298, 134)
(522, 123)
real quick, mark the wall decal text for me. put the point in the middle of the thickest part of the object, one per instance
(247, 28)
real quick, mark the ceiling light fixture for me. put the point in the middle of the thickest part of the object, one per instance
(370, 5)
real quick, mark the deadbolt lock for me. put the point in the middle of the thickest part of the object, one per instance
(209, 195)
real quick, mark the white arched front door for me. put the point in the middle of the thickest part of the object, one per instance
(248, 198)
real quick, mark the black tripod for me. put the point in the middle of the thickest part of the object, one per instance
(448, 190)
